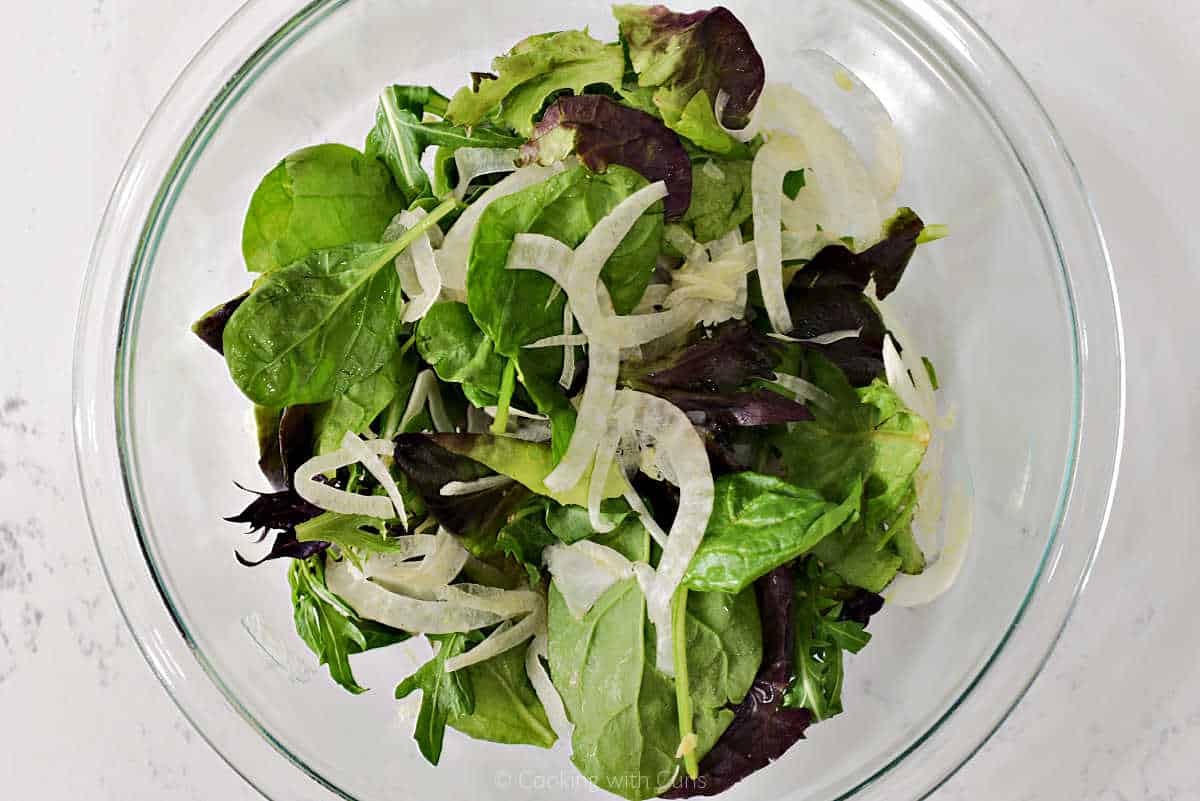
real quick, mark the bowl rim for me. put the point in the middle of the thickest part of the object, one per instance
(253, 38)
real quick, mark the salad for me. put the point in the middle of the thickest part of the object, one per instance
(585, 374)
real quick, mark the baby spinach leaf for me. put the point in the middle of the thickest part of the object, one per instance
(355, 409)
(315, 199)
(317, 327)
(534, 70)
(211, 327)
(517, 307)
(759, 523)
(449, 341)
(603, 132)
(721, 198)
(626, 732)
(762, 729)
(329, 626)
(443, 695)
(506, 708)
(686, 54)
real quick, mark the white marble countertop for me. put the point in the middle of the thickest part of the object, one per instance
(1115, 716)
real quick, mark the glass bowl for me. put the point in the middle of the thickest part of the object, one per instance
(1017, 310)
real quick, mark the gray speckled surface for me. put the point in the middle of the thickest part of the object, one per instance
(1115, 716)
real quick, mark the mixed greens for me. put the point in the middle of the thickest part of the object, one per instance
(585, 375)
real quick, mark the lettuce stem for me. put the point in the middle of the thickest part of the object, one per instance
(508, 383)
(683, 698)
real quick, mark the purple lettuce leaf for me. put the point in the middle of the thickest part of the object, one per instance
(883, 262)
(603, 132)
(211, 327)
(825, 309)
(685, 54)
(280, 512)
(477, 517)
(762, 729)
(733, 356)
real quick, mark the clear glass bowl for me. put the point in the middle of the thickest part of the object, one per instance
(1017, 309)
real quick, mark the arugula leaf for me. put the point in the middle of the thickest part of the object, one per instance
(211, 327)
(443, 695)
(452, 344)
(317, 327)
(315, 199)
(822, 634)
(623, 708)
(541, 522)
(759, 523)
(721, 198)
(686, 54)
(506, 708)
(401, 136)
(603, 132)
(517, 307)
(535, 69)
(329, 626)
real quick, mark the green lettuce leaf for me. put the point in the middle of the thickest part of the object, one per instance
(535, 70)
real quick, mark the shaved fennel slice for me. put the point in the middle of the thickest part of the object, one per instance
(740, 134)
(898, 376)
(805, 391)
(545, 254)
(857, 112)
(567, 377)
(453, 488)
(939, 576)
(606, 452)
(839, 194)
(559, 341)
(422, 265)
(425, 390)
(373, 602)
(456, 250)
(501, 640)
(776, 159)
(406, 269)
(475, 162)
(332, 499)
(823, 339)
(584, 571)
(505, 604)
(592, 420)
(682, 458)
(356, 447)
(654, 296)
(639, 507)
(420, 580)
(543, 687)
